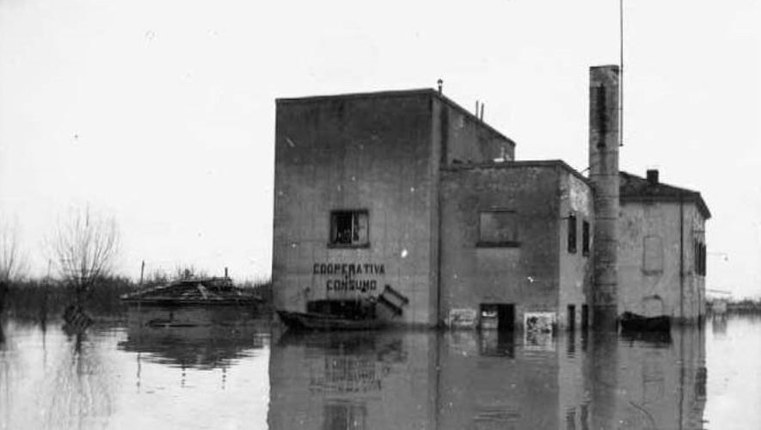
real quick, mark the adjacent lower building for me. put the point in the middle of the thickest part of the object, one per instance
(406, 200)
(662, 252)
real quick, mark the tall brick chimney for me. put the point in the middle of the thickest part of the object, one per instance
(603, 173)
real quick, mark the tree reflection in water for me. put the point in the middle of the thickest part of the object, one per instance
(83, 383)
(487, 380)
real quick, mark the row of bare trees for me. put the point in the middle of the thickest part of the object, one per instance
(82, 250)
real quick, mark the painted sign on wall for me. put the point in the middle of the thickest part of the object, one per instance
(350, 277)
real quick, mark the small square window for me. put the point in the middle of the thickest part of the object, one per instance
(498, 228)
(349, 228)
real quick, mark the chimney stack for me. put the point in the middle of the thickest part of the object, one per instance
(603, 173)
(652, 176)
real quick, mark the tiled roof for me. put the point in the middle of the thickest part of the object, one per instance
(634, 188)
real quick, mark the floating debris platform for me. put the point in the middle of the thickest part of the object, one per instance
(194, 291)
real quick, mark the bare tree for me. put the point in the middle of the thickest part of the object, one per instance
(11, 262)
(84, 247)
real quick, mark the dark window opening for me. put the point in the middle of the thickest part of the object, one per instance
(498, 228)
(584, 317)
(349, 228)
(572, 233)
(345, 416)
(703, 260)
(571, 317)
(700, 258)
(498, 315)
(585, 238)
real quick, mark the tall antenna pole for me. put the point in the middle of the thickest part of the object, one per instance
(621, 77)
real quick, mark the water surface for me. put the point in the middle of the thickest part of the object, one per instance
(245, 375)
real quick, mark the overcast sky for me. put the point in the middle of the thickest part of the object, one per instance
(161, 113)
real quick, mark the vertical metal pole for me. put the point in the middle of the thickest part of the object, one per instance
(621, 75)
(681, 258)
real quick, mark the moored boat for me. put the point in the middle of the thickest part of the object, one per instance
(634, 322)
(366, 313)
(320, 321)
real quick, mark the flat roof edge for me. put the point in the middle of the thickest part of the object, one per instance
(395, 93)
(360, 95)
(519, 164)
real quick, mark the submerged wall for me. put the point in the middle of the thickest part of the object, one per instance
(370, 153)
(523, 267)
(653, 253)
(576, 262)
(379, 155)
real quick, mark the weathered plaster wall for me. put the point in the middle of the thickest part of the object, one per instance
(575, 268)
(694, 283)
(525, 275)
(369, 152)
(654, 292)
(466, 139)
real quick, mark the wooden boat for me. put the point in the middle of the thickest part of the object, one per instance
(321, 321)
(634, 322)
(369, 313)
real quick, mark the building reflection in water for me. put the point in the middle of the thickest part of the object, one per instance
(193, 337)
(487, 380)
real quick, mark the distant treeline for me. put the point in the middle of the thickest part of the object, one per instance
(47, 299)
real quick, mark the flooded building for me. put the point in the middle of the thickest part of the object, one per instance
(408, 199)
(662, 255)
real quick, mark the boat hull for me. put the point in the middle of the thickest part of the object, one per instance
(316, 321)
(633, 322)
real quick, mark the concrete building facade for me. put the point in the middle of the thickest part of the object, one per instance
(409, 191)
(662, 253)
(515, 241)
(408, 195)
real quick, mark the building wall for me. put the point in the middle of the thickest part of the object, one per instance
(694, 232)
(525, 275)
(649, 260)
(380, 152)
(575, 268)
(466, 139)
(369, 152)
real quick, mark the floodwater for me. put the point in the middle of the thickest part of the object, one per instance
(245, 375)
